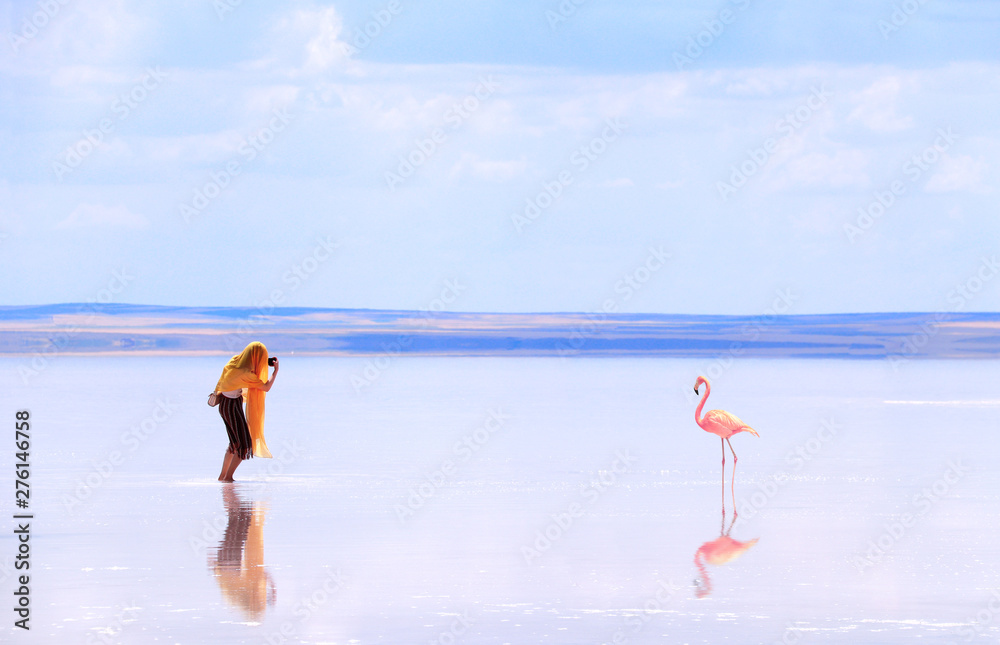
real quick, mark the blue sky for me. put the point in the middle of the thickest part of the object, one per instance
(867, 134)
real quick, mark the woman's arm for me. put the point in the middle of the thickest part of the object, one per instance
(266, 386)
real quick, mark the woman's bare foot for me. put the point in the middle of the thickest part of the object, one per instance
(233, 463)
(227, 461)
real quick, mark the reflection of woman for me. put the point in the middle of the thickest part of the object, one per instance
(238, 563)
(247, 370)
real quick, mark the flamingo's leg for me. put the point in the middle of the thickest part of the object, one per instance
(723, 482)
(732, 489)
(732, 485)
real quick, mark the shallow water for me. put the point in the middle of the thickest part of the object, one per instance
(584, 506)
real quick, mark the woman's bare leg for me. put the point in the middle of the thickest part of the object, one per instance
(225, 465)
(233, 463)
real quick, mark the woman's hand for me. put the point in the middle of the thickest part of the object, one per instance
(274, 373)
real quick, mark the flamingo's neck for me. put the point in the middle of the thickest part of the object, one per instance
(707, 589)
(701, 404)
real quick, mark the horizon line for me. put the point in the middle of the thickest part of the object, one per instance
(277, 309)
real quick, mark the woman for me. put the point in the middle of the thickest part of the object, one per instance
(247, 370)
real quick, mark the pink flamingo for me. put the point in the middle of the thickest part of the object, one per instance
(721, 423)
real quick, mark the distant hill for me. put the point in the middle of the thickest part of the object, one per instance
(149, 329)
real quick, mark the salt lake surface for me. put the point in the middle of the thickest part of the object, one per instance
(511, 500)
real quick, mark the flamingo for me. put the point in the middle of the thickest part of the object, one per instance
(719, 422)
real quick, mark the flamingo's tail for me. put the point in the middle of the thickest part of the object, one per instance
(751, 431)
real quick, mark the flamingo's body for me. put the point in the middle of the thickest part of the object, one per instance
(719, 422)
(722, 550)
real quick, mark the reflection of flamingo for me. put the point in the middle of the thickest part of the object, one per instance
(721, 423)
(721, 550)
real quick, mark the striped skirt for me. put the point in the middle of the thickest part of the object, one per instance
(231, 411)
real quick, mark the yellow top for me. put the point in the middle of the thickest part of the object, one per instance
(248, 370)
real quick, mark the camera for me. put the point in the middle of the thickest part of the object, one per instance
(271, 360)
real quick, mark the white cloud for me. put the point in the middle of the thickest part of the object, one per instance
(324, 48)
(878, 105)
(392, 108)
(91, 215)
(958, 173)
(489, 169)
(72, 76)
(77, 35)
(756, 84)
(261, 100)
(312, 38)
(823, 170)
(192, 149)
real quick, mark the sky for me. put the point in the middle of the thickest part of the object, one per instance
(725, 157)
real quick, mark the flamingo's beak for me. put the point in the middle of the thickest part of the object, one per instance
(695, 390)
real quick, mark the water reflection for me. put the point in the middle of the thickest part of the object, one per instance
(721, 550)
(238, 561)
